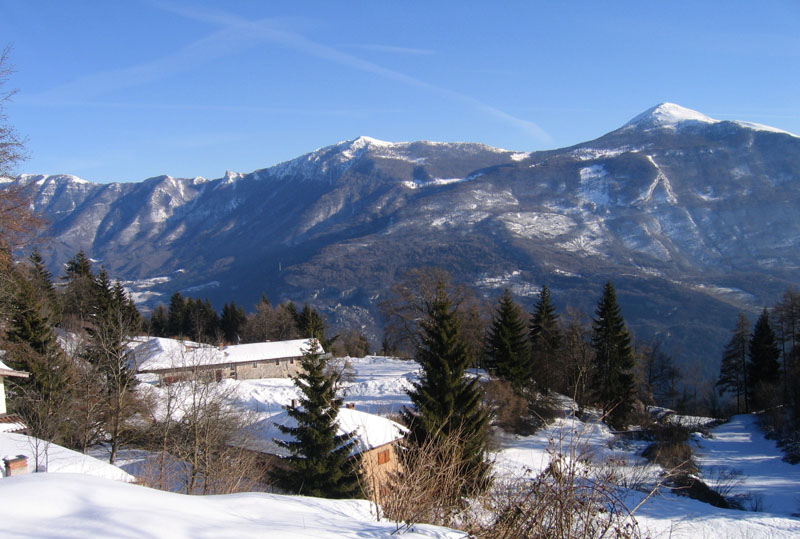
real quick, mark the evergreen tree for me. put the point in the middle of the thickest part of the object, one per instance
(320, 463)
(44, 399)
(232, 322)
(508, 351)
(445, 402)
(546, 341)
(79, 266)
(312, 325)
(176, 315)
(763, 368)
(733, 369)
(613, 383)
(42, 280)
(159, 322)
(79, 290)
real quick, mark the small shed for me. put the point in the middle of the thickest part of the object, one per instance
(376, 440)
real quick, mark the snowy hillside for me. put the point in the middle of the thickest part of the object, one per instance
(80, 505)
(43, 505)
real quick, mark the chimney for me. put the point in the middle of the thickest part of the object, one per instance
(16, 466)
(350, 405)
(294, 403)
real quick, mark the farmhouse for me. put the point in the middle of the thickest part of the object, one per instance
(9, 422)
(376, 440)
(173, 360)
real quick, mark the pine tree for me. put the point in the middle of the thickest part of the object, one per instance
(176, 319)
(79, 290)
(320, 463)
(159, 321)
(44, 399)
(445, 402)
(613, 383)
(733, 369)
(42, 280)
(232, 322)
(508, 350)
(763, 368)
(546, 341)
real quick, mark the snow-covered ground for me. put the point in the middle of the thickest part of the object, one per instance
(53, 458)
(72, 505)
(760, 477)
(69, 505)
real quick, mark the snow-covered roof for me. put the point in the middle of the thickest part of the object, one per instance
(5, 370)
(159, 353)
(54, 458)
(11, 423)
(370, 430)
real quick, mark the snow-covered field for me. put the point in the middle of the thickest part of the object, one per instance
(73, 505)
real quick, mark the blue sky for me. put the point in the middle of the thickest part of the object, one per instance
(123, 91)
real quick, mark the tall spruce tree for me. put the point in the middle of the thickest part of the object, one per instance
(232, 322)
(508, 350)
(546, 342)
(733, 368)
(763, 368)
(613, 382)
(45, 398)
(320, 463)
(445, 402)
(176, 317)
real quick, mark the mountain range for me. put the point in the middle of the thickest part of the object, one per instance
(692, 218)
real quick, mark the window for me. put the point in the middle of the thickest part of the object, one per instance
(277, 362)
(255, 364)
(383, 457)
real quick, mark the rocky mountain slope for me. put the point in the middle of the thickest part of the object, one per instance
(692, 218)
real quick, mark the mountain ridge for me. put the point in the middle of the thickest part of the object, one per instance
(675, 210)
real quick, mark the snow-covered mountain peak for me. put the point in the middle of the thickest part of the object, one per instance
(672, 116)
(669, 115)
(40, 179)
(231, 176)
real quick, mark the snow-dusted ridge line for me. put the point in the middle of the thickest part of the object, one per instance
(672, 116)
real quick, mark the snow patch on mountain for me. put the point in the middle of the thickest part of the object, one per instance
(665, 193)
(592, 154)
(537, 224)
(435, 182)
(594, 186)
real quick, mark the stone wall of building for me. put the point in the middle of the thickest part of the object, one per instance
(276, 368)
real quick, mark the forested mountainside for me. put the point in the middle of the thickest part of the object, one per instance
(693, 219)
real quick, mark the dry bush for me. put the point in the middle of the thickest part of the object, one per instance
(430, 486)
(509, 409)
(570, 498)
(671, 449)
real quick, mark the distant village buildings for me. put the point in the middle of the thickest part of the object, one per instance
(174, 360)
